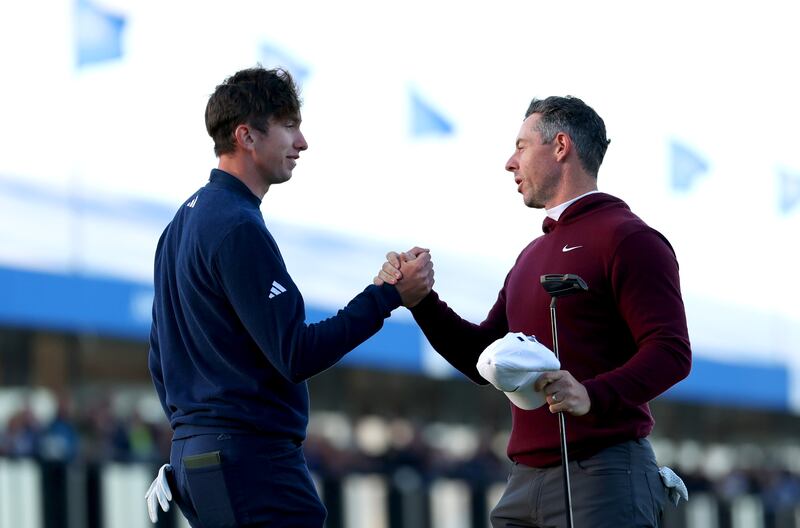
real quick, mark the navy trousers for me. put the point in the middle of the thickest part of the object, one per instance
(226, 480)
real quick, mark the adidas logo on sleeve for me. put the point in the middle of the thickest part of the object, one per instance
(276, 289)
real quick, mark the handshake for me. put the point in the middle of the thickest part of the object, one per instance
(410, 272)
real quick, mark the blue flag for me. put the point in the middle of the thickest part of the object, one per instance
(426, 120)
(686, 166)
(788, 191)
(98, 34)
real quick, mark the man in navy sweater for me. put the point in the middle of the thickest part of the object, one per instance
(230, 351)
(621, 344)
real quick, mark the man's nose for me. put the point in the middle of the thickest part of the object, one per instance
(300, 142)
(511, 164)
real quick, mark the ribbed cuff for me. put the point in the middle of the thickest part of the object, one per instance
(388, 296)
(426, 304)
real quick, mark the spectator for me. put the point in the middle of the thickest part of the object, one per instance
(23, 433)
(59, 439)
(141, 440)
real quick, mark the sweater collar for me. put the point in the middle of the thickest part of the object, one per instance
(581, 206)
(220, 178)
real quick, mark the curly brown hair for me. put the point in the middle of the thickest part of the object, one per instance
(251, 97)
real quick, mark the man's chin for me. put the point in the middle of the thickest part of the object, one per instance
(282, 179)
(532, 204)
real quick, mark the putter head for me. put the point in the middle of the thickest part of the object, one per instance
(560, 285)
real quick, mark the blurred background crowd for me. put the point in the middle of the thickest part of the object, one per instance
(409, 447)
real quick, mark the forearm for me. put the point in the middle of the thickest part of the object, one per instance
(316, 347)
(249, 266)
(457, 340)
(655, 368)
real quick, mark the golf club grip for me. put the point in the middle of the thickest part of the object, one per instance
(554, 326)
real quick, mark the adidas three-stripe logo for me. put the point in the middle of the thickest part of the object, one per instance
(191, 204)
(276, 289)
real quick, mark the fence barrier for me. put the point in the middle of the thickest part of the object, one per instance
(51, 495)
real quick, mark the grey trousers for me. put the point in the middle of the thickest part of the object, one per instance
(617, 488)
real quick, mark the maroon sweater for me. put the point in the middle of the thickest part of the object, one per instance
(625, 339)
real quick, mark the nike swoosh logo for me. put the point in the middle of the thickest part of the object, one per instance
(566, 248)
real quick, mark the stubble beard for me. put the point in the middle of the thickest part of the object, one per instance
(541, 195)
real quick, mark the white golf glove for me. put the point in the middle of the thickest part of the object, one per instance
(158, 493)
(674, 484)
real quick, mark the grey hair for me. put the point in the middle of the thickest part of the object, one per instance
(579, 121)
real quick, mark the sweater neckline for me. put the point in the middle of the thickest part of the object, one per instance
(220, 178)
(580, 208)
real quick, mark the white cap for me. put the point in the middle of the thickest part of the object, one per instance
(513, 363)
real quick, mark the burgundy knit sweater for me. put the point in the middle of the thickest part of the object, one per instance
(625, 339)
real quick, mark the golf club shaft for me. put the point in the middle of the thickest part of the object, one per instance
(562, 429)
(565, 467)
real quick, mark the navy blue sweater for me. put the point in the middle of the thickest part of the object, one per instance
(229, 347)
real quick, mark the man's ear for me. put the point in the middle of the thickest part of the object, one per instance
(243, 137)
(563, 144)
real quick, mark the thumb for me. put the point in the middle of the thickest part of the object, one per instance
(416, 251)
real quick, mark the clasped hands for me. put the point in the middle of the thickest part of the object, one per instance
(410, 272)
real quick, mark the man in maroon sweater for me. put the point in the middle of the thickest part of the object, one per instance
(622, 343)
